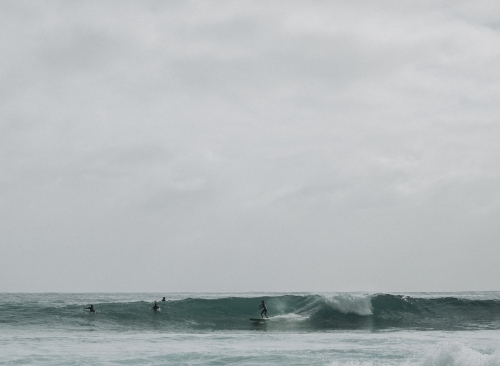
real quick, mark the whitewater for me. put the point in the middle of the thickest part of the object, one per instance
(351, 329)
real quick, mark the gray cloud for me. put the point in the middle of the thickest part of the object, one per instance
(215, 146)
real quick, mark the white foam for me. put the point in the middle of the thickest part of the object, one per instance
(291, 317)
(444, 354)
(351, 303)
(358, 363)
(456, 354)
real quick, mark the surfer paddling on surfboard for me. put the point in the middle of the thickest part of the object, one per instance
(264, 309)
(91, 309)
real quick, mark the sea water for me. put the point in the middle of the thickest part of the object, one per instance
(214, 329)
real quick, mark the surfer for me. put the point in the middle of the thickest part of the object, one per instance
(264, 309)
(91, 309)
(163, 299)
(155, 307)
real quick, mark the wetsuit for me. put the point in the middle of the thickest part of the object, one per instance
(91, 309)
(264, 309)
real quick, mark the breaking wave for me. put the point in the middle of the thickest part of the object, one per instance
(287, 312)
(444, 354)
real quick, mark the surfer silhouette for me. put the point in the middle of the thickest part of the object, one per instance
(91, 309)
(155, 307)
(163, 299)
(264, 309)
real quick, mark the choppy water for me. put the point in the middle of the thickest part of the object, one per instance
(213, 329)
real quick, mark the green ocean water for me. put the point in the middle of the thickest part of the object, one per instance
(214, 329)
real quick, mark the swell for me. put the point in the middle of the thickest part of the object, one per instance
(441, 313)
(286, 312)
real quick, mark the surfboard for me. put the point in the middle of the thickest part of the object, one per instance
(261, 320)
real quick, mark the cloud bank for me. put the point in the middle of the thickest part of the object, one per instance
(249, 146)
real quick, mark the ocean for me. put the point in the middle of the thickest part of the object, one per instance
(351, 329)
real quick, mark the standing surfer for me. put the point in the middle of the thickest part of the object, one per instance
(264, 309)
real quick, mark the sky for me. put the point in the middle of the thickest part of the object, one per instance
(234, 146)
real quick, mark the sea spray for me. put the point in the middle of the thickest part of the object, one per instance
(351, 303)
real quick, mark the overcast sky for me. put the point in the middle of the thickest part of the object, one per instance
(249, 146)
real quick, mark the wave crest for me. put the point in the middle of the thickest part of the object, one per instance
(351, 304)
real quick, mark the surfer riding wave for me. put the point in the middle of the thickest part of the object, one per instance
(264, 309)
